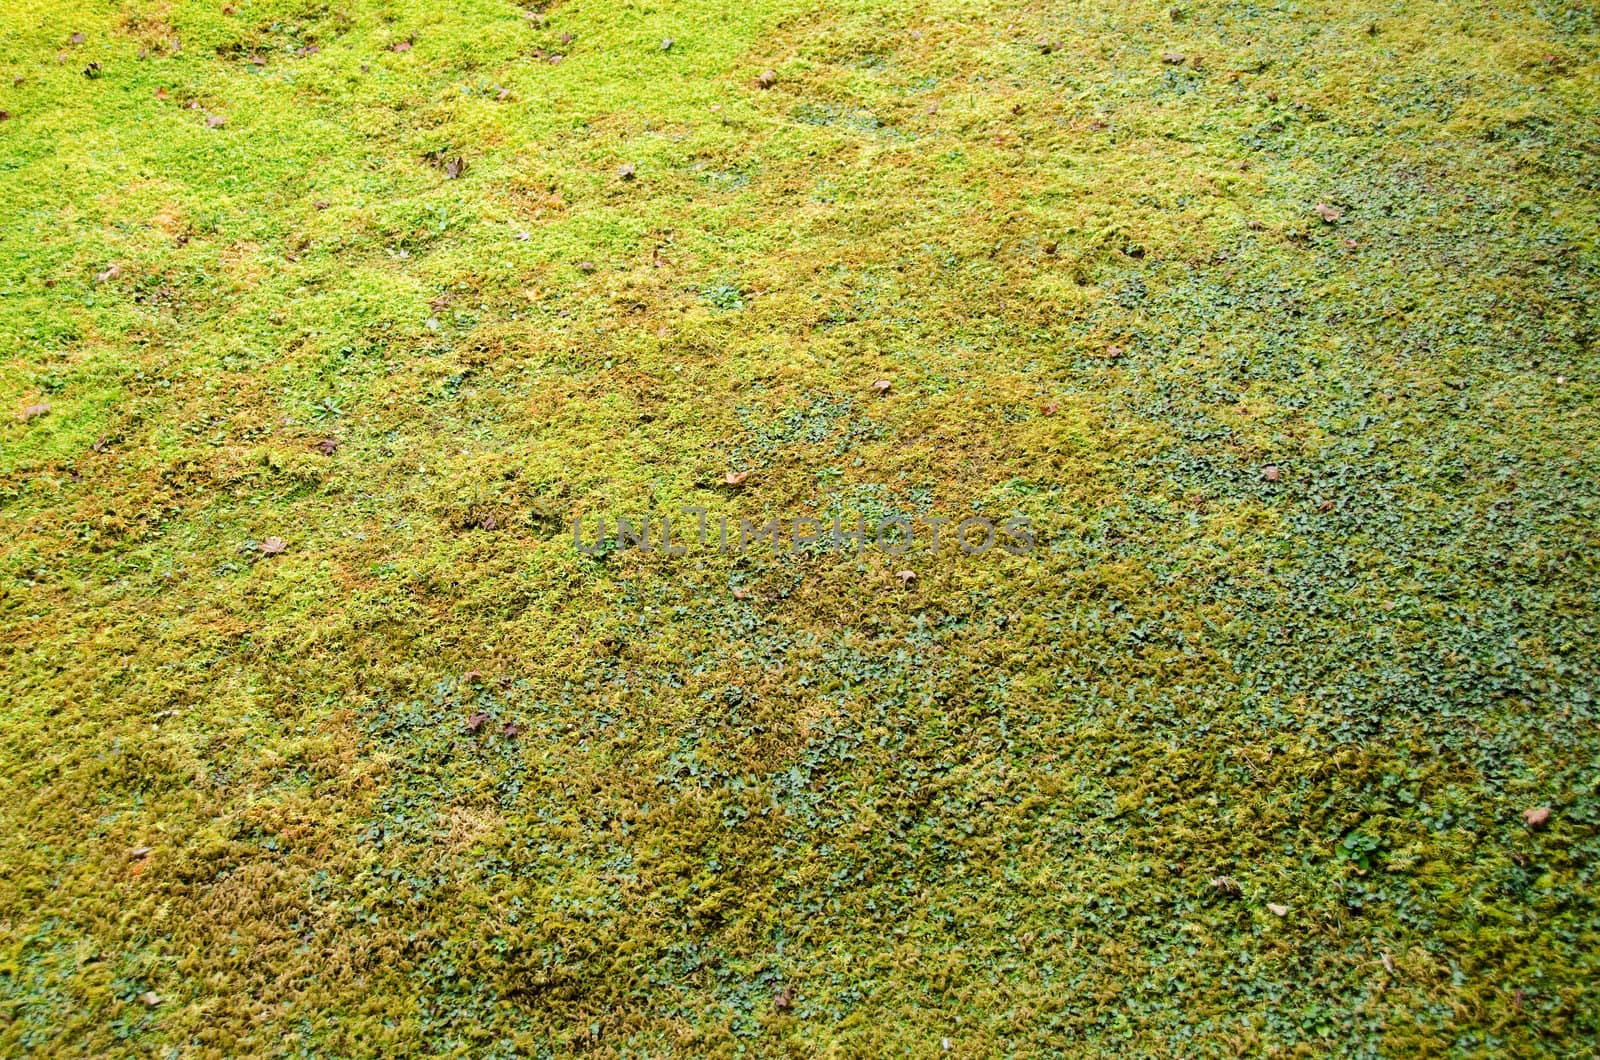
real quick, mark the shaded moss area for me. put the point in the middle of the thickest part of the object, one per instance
(320, 323)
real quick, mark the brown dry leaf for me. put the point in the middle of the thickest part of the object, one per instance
(1270, 473)
(215, 121)
(272, 546)
(784, 1000)
(735, 478)
(767, 79)
(741, 593)
(139, 853)
(403, 46)
(906, 577)
(161, 93)
(1537, 817)
(882, 386)
(511, 730)
(150, 998)
(1227, 886)
(111, 272)
(327, 446)
(1278, 910)
(33, 412)
(5, 115)
(454, 168)
(76, 38)
(1328, 213)
(475, 722)
(627, 171)
(1172, 58)
(1050, 408)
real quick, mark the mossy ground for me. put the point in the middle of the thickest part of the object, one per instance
(982, 808)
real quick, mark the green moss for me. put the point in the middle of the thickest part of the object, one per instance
(429, 780)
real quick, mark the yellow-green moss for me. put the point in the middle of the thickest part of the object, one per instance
(429, 780)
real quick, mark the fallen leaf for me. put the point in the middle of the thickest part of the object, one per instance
(767, 79)
(1278, 910)
(1172, 58)
(907, 577)
(139, 853)
(511, 729)
(272, 546)
(33, 412)
(151, 998)
(327, 446)
(161, 93)
(735, 478)
(454, 168)
(741, 593)
(1270, 473)
(1227, 886)
(504, 93)
(1536, 818)
(475, 722)
(5, 115)
(1050, 408)
(1325, 506)
(666, 44)
(882, 386)
(626, 171)
(215, 121)
(556, 59)
(585, 266)
(1328, 213)
(784, 999)
(76, 38)
(567, 38)
(1048, 46)
(111, 272)
(403, 46)
(258, 60)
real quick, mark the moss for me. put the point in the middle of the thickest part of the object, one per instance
(429, 780)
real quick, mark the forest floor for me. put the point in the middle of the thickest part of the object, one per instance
(321, 322)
